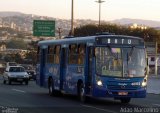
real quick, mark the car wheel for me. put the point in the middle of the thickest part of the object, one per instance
(26, 82)
(9, 82)
(4, 81)
(34, 78)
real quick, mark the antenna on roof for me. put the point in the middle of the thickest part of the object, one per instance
(105, 33)
(69, 37)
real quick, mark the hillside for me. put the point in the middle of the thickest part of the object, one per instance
(126, 21)
(7, 14)
(25, 21)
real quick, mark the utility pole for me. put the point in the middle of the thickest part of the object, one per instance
(59, 32)
(72, 19)
(99, 1)
(156, 59)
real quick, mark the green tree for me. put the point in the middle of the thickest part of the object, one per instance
(17, 58)
(148, 34)
(31, 56)
(13, 58)
(33, 45)
(16, 44)
(8, 58)
(86, 30)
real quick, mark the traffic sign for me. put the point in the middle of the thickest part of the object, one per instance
(44, 28)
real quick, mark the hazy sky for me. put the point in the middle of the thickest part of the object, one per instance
(86, 9)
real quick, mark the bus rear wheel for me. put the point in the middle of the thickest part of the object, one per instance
(50, 87)
(125, 100)
(81, 93)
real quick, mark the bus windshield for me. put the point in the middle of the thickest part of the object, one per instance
(120, 62)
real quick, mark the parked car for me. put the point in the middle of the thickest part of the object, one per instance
(30, 70)
(15, 74)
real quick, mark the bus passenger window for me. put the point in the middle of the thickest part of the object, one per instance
(57, 54)
(50, 56)
(73, 54)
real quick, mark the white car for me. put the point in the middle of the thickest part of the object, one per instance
(11, 64)
(15, 74)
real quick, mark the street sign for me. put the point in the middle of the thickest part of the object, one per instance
(44, 28)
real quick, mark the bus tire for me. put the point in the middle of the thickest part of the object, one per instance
(81, 93)
(50, 86)
(125, 100)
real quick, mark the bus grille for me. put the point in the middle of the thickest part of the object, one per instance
(115, 86)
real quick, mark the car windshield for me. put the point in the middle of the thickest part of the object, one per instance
(16, 69)
(120, 62)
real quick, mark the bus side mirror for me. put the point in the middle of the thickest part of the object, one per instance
(147, 61)
(147, 67)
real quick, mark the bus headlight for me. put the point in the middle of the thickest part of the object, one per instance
(144, 83)
(99, 83)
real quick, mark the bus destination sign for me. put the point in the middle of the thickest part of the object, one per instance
(121, 41)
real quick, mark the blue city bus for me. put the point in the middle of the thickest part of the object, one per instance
(101, 66)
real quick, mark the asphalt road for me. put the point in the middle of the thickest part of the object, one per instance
(31, 98)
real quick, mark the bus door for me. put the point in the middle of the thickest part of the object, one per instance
(42, 66)
(90, 69)
(63, 66)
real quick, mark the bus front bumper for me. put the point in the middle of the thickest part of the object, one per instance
(103, 92)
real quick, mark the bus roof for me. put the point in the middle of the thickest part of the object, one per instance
(89, 39)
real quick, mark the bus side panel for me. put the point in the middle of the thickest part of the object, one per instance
(73, 74)
(41, 68)
(88, 70)
(63, 65)
(53, 70)
(93, 71)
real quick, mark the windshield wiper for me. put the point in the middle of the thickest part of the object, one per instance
(131, 52)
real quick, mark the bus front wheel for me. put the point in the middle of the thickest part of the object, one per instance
(81, 93)
(125, 100)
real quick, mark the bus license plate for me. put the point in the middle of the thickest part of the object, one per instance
(122, 93)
